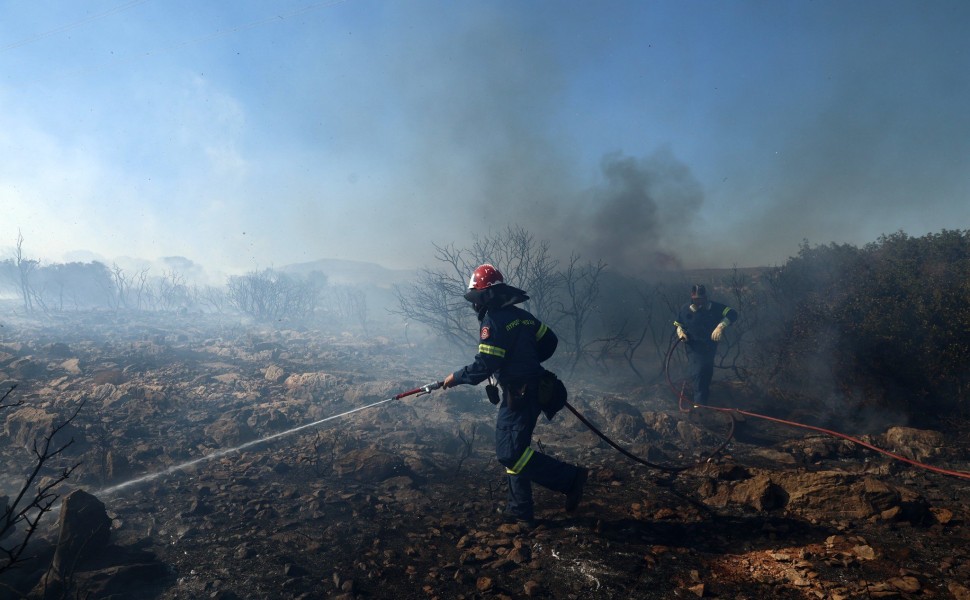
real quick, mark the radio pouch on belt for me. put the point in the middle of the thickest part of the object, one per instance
(491, 390)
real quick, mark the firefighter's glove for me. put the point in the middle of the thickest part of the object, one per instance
(718, 332)
(448, 382)
(681, 333)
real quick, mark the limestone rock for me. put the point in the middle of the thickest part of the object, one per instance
(84, 531)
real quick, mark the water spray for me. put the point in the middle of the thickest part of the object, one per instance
(425, 389)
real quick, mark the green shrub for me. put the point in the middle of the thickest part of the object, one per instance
(893, 317)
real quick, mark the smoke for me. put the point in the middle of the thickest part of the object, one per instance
(637, 218)
(493, 124)
(484, 151)
(869, 139)
(364, 134)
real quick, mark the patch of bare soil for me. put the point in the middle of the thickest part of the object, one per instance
(400, 500)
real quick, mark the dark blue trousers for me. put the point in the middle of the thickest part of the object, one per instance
(513, 439)
(700, 367)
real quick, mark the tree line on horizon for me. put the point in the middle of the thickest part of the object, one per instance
(879, 325)
(267, 295)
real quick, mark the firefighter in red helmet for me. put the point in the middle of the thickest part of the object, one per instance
(512, 345)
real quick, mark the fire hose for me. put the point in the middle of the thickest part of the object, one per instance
(493, 396)
(732, 412)
(633, 457)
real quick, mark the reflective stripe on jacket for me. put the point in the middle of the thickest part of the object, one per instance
(512, 345)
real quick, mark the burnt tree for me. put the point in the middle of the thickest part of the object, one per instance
(436, 300)
(23, 512)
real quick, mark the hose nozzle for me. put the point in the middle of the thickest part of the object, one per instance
(424, 389)
(427, 389)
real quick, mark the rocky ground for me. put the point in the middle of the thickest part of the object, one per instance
(399, 500)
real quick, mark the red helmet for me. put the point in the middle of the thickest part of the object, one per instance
(485, 276)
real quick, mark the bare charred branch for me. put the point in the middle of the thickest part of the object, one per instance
(3, 399)
(35, 498)
(581, 289)
(273, 296)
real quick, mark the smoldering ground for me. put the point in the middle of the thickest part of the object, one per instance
(385, 499)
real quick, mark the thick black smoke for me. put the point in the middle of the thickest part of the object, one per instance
(638, 218)
(483, 151)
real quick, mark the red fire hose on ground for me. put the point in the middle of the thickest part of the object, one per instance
(686, 406)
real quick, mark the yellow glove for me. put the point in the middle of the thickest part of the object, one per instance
(718, 332)
(681, 333)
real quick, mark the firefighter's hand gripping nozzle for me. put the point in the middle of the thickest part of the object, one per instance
(424, 389)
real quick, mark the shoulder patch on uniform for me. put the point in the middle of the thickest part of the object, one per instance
(485, 333)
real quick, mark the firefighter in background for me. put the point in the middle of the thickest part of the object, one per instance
(701, 324)
(512, 345)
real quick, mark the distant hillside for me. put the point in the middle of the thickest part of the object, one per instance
(352, 272)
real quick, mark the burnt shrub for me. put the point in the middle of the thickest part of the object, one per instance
(271, 295)
(907, 324)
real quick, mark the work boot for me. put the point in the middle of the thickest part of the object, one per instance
(524, 523)
(575, 494)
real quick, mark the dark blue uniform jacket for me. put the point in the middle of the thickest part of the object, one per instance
(512, 344)
(700, 324)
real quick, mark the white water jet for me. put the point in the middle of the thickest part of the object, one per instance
(219, 453)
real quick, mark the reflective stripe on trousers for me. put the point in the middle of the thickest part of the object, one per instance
(513, 439)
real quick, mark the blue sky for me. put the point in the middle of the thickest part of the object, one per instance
(251, 134)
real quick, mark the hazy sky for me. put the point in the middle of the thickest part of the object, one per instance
(250, 134)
